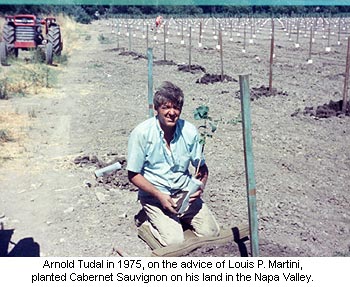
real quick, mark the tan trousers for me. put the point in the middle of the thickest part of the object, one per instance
(167, 227)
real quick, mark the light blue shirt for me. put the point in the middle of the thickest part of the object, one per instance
(166, 169)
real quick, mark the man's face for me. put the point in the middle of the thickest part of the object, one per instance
(168, 115)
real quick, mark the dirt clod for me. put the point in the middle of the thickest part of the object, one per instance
(213, 78)
(133, 54)
(115, 179)
(332, 109)
(194, 69)
(263, 91)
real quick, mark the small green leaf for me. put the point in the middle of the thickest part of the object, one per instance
(201, 112)
(213, 127)
(202, 141)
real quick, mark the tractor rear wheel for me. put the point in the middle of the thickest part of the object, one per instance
(3, 53)
(49, 53)
(9, 37)
(54, 37)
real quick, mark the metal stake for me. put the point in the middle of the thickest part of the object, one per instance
(249, 163)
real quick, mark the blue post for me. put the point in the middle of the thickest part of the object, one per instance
(150, 82)
(249, 163)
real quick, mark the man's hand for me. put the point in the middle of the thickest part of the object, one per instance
(196, 195)
(141, 182)
(167, 202)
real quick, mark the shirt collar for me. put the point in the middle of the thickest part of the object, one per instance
(177, 128)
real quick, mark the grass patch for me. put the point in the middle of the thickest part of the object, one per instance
(71, 32)
(103, 39)
(3, 89)
(13, 133)
(29, 78)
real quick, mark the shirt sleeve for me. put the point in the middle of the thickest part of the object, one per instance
(136, 152)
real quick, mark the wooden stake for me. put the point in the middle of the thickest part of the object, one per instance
(249, 163)
(346, 80)
(329, 33)
(182, 31)
(310, 45)
(271, 53)
(129, 31)
(221, 54)
(150, 82)
(117, 34)
(200, 33)
(245, 36)
(298, 31)
(339, 30)
(290, 32)
(164, 30)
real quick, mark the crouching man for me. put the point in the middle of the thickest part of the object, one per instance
(160, 151)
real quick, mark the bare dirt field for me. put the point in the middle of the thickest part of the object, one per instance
(52, 205)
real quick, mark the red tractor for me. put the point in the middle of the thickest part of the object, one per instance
(27, 32)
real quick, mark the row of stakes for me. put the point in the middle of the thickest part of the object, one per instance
(272, 54)
(253, 32)
(215, 31)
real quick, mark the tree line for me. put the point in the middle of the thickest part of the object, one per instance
(86, 13)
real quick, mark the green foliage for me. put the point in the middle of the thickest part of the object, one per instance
(40, 76)
(29, 78)
(62, 59)
(208, 126)
(201, 113)
(132, 10)
(86, 13)
(3, 89)
(103, 39)
(81, 16)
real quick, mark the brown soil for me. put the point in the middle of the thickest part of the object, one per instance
(332, 109)
(51, 203)
(214, 78)
(191, 68)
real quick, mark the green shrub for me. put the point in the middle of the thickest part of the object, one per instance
(81, 16)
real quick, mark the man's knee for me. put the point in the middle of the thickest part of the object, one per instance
(211, 230)
(172, 238)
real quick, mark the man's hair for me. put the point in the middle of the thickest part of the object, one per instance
(168, 92)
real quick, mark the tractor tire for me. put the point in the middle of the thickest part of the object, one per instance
(3, 53)
(9, 37)
(49, 53)
(54, 37)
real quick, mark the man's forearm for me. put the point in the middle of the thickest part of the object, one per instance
(203, 174)
(141, 182)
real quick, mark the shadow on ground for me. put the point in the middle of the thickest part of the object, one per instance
(25, 247)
